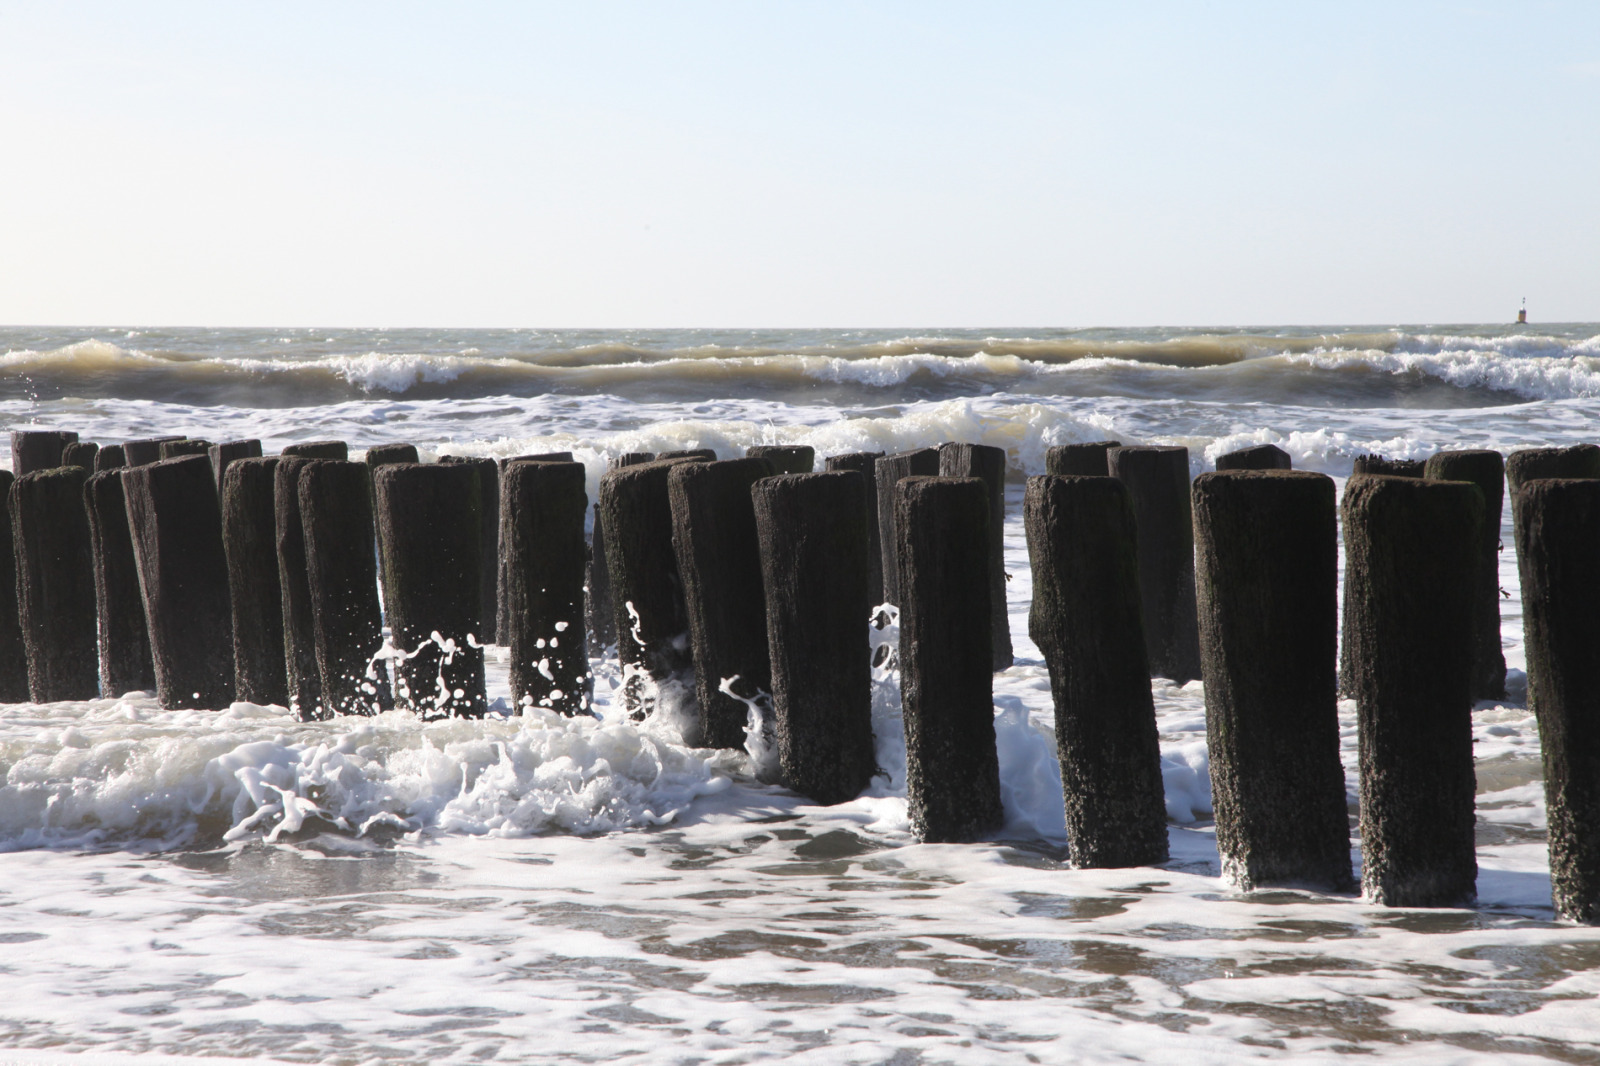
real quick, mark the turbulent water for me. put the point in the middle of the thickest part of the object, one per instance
(235, 883)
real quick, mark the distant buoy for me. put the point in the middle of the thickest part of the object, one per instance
(1522, 315)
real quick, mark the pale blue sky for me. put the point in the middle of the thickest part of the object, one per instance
(792, 164)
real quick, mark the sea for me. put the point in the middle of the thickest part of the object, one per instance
(227, 884)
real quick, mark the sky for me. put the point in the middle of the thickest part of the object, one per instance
(774, 164)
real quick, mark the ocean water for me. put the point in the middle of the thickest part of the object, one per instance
(182, 886)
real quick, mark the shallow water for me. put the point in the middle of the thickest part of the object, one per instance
(239, 884)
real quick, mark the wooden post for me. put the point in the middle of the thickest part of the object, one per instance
(38, 449)
(299, 637)
(502, 620)
(537, 457)
(690, 453)
(1487, 470)
(1267, 576)
(318, 449)
(80, 454)
(1158, 487)
(1530, 464)
(542, 508)
(1377, 464)
(813, 536)
(55, 584)
(13, 648)
(866, 464)
(785, 458)
(109, 457)
(176, 524)
(384, 454)
(125, 661)
(431, 532)
(1558, 554)
(599, 608)
(719, 559)
(176, 449)
(1080, 460)
(250, 540)
(988, 464)
(1408, 543)
(646, 588)
(1085, 619)
(342, 577)
(890, 469)
(488, 474)
(226, 453)
(952, 769)
(146, 451)
(1255, 457)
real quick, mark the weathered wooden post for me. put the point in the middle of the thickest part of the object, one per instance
(1377, 464)
(177, 449)
(719, 560)
(125, 661)
(1407, 544)
(890, 469)
(1487, 470)
(989, 465)
(866, 464)
(1085, 618)
(318, 449)
(1158, 488)
(38, 449)
(250, 541)
(80, 453)
(785, 458)
(598, 607)
(652, 622)
(431, 532)
(55, 583)
(1255, 457)
(502, 621)
(146, 451)
(13, 649)
(1558, 555)
(1080, 460)
(542, 508)
(487, 471)
(176, 524)
(109, 457)
(952, 769)
(1267, 577)
(299, 637)
(1530, 464)
(222, 455)
(813, 536)
(342, 577)
(384, 454)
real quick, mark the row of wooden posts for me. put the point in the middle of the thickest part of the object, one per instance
(217, 574)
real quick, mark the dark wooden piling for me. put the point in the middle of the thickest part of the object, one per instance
(989, 465)
(652, 622)
(1085, 618)
(176, 524)
(13, 649)
(813, 535)
(1558, 555)
(250, 540)
(145, 451)
(176, 449)
(80, 453)
(38, 449)
(890, 469)
(866, 464)
(1530, 464)
(299, 636)
(599, 609)
(785, 458)
(125, 662)
(1080, 460)
(719, 560)
(1267, 582)
(228, 452)
(384, 454)
(1255, 457)
(487, 471)
(55, 584)
(430, 528)
(1158, 487)
(318, 449)
(1408, 543)
(542, 508)
(109, 457)
(952, 769)
(690, 453)
(537, 457)
(502, 619)
(1377, 464)
(1487, 470)
(342, 578)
